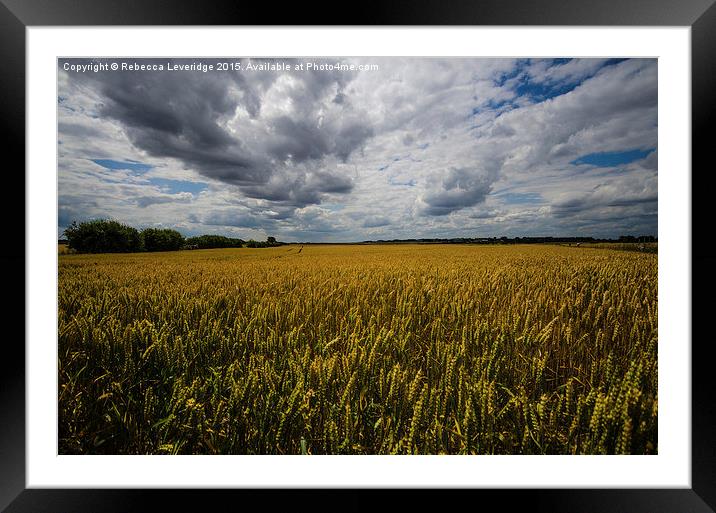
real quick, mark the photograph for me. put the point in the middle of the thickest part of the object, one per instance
(290, 257)
(357, 256)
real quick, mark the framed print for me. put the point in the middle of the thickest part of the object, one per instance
(359, 257)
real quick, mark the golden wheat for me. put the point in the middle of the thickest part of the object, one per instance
(390, 349)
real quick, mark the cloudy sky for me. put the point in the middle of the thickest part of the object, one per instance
(394, 148)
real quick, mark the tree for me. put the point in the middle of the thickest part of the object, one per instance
(102, 236)
(214, 241)
(162, 239)
(271, 240)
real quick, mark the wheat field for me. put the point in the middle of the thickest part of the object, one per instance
(359, 349)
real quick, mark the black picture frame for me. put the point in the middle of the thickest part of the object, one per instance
(17, 15)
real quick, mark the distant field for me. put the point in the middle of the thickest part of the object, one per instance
(386, 349)
(646, 247)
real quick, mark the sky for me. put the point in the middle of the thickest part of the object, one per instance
(352, 149)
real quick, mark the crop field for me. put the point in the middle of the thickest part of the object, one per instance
(359, 349)
(646, 247)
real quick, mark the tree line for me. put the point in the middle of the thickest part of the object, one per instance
(516, 240)
(110, 236)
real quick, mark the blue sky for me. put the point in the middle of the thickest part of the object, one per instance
(137, 167)
(614, 158)
(420, 148)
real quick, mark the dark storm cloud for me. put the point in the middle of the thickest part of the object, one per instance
(237, 219)
(584, 204)
(301, 189)
(376, 222)
(350, 137)
(291, 192)
(302, 140)
(459, 188)
(636, 193)
(328, 182)
(191, 117)
(183, 117)
(298, 140)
